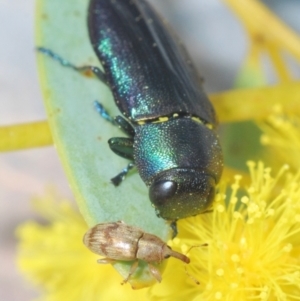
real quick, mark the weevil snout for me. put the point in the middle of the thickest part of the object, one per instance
(168, 252)
(181, 193)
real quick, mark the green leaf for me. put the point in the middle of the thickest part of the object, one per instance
(80, 134)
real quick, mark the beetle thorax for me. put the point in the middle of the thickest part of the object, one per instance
(150, 248)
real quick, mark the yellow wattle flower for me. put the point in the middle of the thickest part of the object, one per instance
(252, 252)
(52, 256)
(281, 136)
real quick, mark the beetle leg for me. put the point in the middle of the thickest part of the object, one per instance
(131, 271)
(173, 226)
(210, 210)
(121, 146)
(119, 121)
(103, 113)
(154, 272)
(120, 177)
(125, 126)
(85, 70)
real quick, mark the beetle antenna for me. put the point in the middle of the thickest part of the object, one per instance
(198, 246)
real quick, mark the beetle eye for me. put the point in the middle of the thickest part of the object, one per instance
(161, 191)
(167, 256)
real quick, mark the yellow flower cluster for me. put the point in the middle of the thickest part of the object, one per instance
(53, 257)
(252, 251)
(281, 136)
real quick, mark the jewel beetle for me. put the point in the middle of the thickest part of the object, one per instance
(173, 141)
(119, 241)
(169, 120)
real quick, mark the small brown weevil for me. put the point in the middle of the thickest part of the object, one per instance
(120, 242)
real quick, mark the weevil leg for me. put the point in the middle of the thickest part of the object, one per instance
(191, 276)
(131, 271)
(106, 261)
(85, 70)
(120, 177)
(154, 272)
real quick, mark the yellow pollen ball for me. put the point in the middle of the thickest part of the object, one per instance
(237, 215)
(220, 272)
(218, 295)
(176, 241)
(285, 167)
(235, 258)
(264, 139)
(234, 186)
(209, 286)
(263, 296)
(243, 243)
(288, 248)
(251, 190)
(237, 177)
(244, 199)
(184, 248)
(220, 208)
(253, 208)
(233, 200)
(250, 221)
(270, 212)
(277, 108)
(250, 164)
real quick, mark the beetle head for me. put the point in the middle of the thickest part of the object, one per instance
(180, 193)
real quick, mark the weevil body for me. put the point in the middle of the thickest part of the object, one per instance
(173, 142)
(118, 241)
